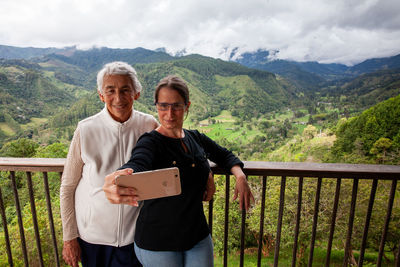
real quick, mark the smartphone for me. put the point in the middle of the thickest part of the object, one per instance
(153, 184)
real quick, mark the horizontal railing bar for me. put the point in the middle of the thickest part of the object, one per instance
(257, 168)
(323, 170)
(32, 164)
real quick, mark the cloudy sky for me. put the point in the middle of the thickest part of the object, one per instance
(341, 31)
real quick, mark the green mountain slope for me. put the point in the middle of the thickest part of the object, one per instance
(94, 59)
(27, 93)
(374, 134)
(63, 84)
(367, 90)
(12, 52)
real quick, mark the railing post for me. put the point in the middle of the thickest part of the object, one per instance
(210, 215)
(315, 221)
(261, 233)
(6, 236)
(20, 223)
(280, 216)
(242, 233)
(348, 246)
(50, 215)
(34, 216)
(226, 230)
(367, 221)
(387, 220)
(398, 256)
(333, 221)
(298, 217)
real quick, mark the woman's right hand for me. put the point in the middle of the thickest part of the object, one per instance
(118, 194)
(71, 252)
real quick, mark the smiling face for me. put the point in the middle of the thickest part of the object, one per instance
(171, 119)
(119, 94)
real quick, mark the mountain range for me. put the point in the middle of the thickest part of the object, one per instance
(59, 84)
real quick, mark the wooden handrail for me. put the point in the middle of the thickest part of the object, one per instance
(304, 169)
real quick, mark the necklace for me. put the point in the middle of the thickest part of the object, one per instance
(183, 144)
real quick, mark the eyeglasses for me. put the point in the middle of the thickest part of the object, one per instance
(174, 106)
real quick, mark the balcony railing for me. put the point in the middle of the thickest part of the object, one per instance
(260, 172)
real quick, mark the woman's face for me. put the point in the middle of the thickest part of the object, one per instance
(171, 116)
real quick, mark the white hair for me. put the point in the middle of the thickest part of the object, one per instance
(118, 68)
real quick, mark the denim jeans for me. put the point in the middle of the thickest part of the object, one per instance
(201, 255)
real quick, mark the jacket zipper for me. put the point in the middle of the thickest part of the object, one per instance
(120, 206)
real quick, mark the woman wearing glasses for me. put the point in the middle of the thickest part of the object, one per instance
(173, 231)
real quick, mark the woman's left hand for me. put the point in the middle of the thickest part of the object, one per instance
(242, 189)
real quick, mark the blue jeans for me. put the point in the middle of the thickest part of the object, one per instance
(201, 255)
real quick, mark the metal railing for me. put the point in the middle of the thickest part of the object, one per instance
(264, 170)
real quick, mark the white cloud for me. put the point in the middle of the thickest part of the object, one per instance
(327, 31)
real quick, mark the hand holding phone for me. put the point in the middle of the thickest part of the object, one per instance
(153, 184)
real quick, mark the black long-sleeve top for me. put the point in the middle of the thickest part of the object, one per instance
(176, 223)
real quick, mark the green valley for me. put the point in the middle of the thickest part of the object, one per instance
(257, 114)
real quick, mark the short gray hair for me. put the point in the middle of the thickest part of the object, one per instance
(118, 68)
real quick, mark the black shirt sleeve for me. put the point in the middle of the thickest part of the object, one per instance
(143, 155)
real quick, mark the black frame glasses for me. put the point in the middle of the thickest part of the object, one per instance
(174, 106)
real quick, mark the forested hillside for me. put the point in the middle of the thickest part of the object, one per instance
(371, 137)
(313, 75)
(252, 112)
(374, 135)
(366, 90)
(215, 85)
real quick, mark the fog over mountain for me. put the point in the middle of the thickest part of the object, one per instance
(346, 32)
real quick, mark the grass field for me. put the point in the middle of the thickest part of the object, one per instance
(319, 258)
(33, 123)
(6, 129)
(225, 126)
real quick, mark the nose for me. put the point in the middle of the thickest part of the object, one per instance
(170, 112)
(118, 96)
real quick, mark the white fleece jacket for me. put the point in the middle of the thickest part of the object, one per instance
(100, 145)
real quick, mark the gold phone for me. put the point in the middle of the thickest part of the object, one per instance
(153, 184)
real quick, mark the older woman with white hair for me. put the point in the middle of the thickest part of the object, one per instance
(95, 231)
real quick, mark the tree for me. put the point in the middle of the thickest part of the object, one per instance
(22, 147)
(55, 150)
(380, 149)
(309, 132)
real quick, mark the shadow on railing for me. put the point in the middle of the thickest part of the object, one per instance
(285, 175)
